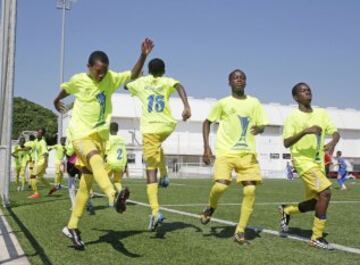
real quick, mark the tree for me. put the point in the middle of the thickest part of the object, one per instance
(29, 116)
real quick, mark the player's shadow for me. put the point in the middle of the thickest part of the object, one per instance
(228, 231)
(165, 228)
(295, 231)
(114, 239)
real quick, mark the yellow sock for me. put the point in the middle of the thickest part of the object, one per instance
(162, 166)
(246, 207)
(81, 199)
(291, 209)
(101, 176)
(117, 181)
(152, 192)
(58, 178)
(23, 180)
(17, 179)
(33, 183)
(318, 228)
(215, 193)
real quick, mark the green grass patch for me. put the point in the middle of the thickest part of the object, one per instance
(112, 238)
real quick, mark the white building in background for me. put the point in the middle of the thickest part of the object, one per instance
(183, 149)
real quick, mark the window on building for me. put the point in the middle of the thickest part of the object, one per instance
(274, 155)
(286, 156)
(131, 158)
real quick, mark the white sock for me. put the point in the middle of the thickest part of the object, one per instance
(72, 190)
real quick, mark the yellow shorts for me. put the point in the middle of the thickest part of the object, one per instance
(86, 145)
(246, 167)
(31, 165)
(115, 172)
(152, 148)
(315, 181)
(39, 169)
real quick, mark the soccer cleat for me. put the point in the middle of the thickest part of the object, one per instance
(155, 220)
(164, 182)
(53, 189)
(34, 196)
(284, 219)
(205, 216)
(240, 238)
(66, 232)
(321, 243)
(74, 235)
(120, 200)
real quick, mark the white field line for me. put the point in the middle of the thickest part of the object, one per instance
(256, 229)
(259, 203)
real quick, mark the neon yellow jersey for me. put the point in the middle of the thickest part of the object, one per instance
(308, 151)
(92, 108)
(154, 93)
(236, 117)
(17, 152)
(25, 157)
(116, 154)
(41, 150)
(70, 149)
(32, 151)
(60, 152)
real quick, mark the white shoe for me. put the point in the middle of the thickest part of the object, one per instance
(66, 232)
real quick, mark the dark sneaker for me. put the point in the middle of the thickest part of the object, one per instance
(74, 235)
(164, 182)
(120, 200)
(205, 216)
(240, 239)
(155, 220)
(321, 243)
(53, 189)
(284, 219)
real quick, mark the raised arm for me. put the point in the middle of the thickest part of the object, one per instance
(295, 138)
(207, 150)
(146, 47)
(58, 104)
(186, 114)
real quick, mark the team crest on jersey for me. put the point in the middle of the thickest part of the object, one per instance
(244, 126)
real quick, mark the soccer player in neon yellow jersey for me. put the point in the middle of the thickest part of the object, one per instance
(304, 133)
(22, 154)
(40, 164)
(89, 129)
(116, 156)
(240, 118)
(16, 153)
(156, 124)
(59, 162)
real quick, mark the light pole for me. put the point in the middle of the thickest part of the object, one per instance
(63, 5)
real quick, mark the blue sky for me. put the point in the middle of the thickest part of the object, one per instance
(276, 42)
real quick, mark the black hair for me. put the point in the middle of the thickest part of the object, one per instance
(32, 137)
(63, 138)
(98, 56)
(235, 71)
(43, 130)
(339, 153)
(114, 127)
(295, 88)
(156, 67)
